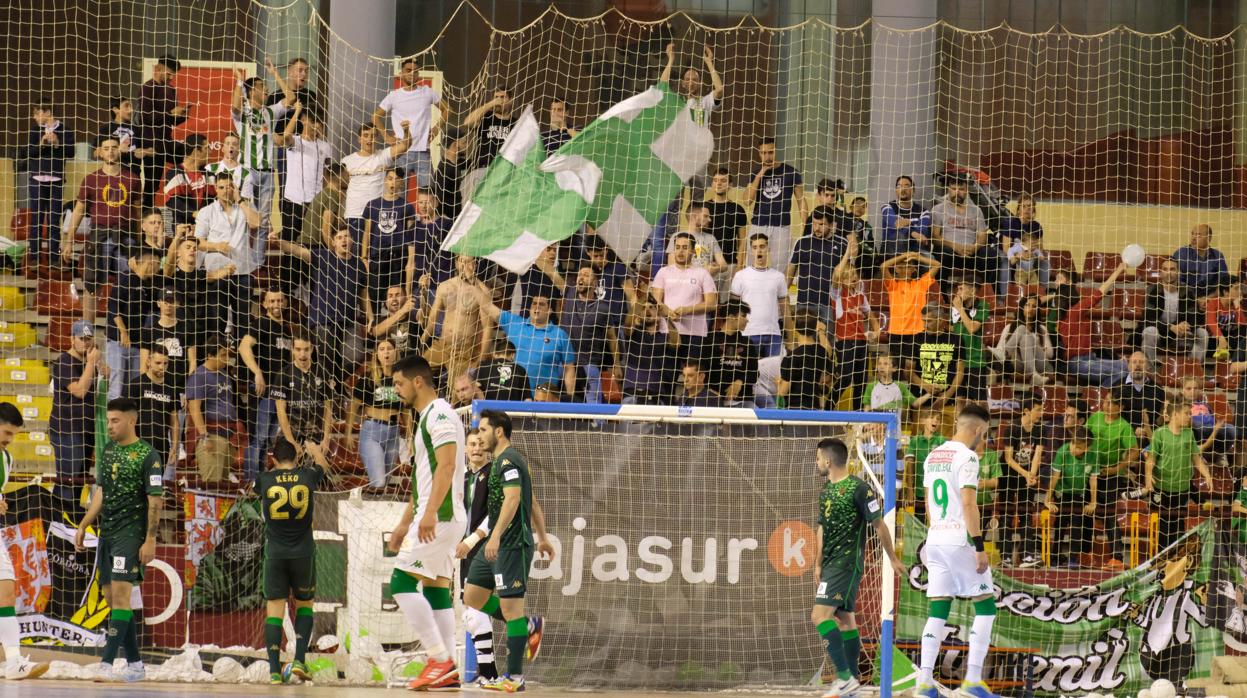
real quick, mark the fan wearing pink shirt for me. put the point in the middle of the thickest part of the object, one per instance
(685, 295)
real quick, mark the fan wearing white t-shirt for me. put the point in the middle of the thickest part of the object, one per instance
(956, 563)
(367, 167)
(306, 157)
(412, 103)
(765, 291)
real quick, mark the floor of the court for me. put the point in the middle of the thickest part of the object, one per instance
(41, 688)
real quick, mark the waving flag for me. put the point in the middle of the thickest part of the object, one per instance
(618, 175)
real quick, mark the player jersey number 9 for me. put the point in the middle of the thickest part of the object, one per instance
(297, 497)
(939, 494)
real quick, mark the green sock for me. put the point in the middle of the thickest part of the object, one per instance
(272, 643)
(302, 632)
(835, 647)
(493, 608)
(118, 627)
(852, 649)
(131, 642)
(517, 643)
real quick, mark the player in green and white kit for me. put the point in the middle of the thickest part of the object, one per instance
(957, 567)
(502, 571)
(16, 666)
(846, 506)
(289, 550)
(127, 500)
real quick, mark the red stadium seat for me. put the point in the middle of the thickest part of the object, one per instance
(1174, 369)
(1220, 405)
(1226, 380)
(1091, 397)
(1108, 334)
(1098, 266)
(1128, 304)
(876, 294)
(1149, 271)
(1060, 260)
(59, 327)
(994, 327)
(1055, 398)
(56, 298)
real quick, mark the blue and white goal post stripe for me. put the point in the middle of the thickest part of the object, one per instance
(759, 417)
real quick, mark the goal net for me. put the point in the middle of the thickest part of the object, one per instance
(880, 220)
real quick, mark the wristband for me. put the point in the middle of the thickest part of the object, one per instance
(978, 543)
(472, 540)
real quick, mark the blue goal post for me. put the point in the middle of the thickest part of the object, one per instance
(757, 417)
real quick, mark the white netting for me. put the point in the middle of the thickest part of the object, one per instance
(1122, 138)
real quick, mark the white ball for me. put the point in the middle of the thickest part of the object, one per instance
(1163, 688)
(1133, 256)
(1145, 693)
(227, 670)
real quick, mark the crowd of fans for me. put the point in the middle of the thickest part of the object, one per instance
(229, 331)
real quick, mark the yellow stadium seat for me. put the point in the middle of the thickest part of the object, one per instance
(32, 446)
(12, 298)
(17, 335)
(28, 371)
(31, 406)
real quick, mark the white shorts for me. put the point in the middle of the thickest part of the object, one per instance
(435, 558)
(6, 565)
(950, 572)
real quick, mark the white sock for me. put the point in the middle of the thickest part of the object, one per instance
(932, 636)
(420, 615)
(980, 641)
(445, 620)
(10, 638)
(481, 627)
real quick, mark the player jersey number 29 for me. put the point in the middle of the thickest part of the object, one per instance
(297, 497)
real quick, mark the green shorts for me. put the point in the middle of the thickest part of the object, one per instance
(507, 575)
(838, 588)
(117, 559)
(285, 577)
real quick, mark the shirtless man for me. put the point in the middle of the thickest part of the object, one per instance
(465, 334)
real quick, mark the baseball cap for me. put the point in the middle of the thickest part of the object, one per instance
(169, 296)
(82, 329)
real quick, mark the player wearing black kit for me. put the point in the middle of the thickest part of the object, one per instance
(289, 551)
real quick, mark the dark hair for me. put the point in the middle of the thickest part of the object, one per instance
(834, 450)
(284, 451)
(1112, 394)
(116, 102)
(595, 243)
(1029, 401)
(223, 174)
(766, 140)
(414, 366)
(823, 213)
(195, 140)
(828, 184)
(805, 323)
(365, 126)
(398, 171)
(683, 236)
(215, 344)
(857, 199)
(1079, 434)
(1035, 323)
(313, 115)
(695, 363)
(169, 62)
(498, 420)
(250, 84)
(904, 177)
(732, 307)
(556, 99)
(696, 205)
(159, 349)
(297, 60)
(722, 170)
(9, 414)
(123, 404)
(334, 170)
(406, 62)
(755, 236)
(975, 411)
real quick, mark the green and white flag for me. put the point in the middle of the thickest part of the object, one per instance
(517, 210)
(619, 175)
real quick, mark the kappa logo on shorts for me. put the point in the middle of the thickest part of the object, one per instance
(498, 582)
(119, 563)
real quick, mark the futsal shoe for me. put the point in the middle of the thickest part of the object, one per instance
(434, 673)
(19, 668)
(978, 689)
(536, 624)
(843, 688)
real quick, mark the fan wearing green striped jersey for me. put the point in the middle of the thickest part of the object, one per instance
(16, 666)
(256, 125)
